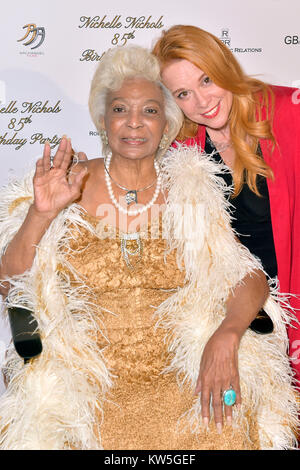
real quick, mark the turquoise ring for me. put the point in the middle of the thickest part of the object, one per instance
(229, 397)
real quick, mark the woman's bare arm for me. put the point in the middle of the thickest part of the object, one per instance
(245, 302)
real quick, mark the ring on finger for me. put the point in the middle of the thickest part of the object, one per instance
(75, 159)
(229, 396)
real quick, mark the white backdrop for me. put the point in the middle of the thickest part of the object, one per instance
(45, 76)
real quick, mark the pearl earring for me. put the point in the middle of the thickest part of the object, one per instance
(164, 143)
(103, 136)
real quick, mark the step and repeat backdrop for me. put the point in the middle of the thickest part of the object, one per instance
(50, 49)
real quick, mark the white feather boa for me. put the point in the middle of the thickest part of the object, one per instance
(51, 402)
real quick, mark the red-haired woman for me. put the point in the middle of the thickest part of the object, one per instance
(255, 129)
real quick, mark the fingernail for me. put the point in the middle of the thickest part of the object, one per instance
(229, 420)
(219, 428)
(205, 422)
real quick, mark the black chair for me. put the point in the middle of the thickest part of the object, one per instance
(262, 324)
(25, 335)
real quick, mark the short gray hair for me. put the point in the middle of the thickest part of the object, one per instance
(121, 63)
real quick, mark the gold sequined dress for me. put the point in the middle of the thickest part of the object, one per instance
(145, 407)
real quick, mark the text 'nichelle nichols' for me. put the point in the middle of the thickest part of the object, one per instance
(130, 22)
(31, 107)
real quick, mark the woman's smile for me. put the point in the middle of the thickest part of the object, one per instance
(212, 112)
(134, 140)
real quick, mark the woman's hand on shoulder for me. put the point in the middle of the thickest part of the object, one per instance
(53, 189)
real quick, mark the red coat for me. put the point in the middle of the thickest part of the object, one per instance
(284, 194)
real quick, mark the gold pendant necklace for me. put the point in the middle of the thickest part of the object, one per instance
(126, 249)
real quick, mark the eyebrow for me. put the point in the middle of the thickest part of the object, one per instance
(184, 89)
(121, 98)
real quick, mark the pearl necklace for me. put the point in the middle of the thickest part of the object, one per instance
(131, 194)
(114, 200)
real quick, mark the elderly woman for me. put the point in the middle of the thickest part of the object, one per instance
(253, 128)
(134, 286)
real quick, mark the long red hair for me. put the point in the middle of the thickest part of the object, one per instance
(248, 122)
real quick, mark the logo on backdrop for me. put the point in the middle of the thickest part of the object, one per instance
(293, 40)
(226, 39)
(33, 39)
